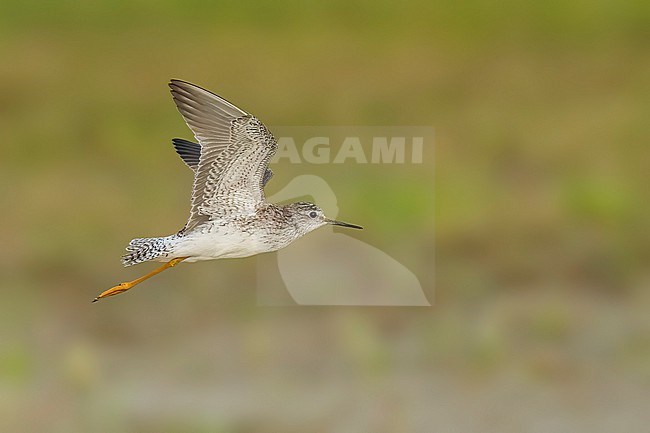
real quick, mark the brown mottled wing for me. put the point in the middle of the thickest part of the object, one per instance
(190, 153)
(235, 151)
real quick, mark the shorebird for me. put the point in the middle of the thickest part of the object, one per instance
(229, 214)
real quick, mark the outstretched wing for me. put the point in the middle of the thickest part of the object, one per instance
(190, 153)
(234, 154)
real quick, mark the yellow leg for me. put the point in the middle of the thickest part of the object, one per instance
(123, 287)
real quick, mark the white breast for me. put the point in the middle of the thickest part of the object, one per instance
(220, 242)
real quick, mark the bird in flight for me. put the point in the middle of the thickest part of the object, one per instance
(229, 214)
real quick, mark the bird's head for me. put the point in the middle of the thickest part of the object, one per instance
(308, 217)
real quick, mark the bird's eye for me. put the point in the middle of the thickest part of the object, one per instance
(312, 214)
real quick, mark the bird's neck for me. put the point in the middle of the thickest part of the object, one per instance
(283, 219)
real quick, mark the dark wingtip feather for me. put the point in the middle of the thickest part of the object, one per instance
(189, 152)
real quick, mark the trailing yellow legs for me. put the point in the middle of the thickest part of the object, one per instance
(123, 287)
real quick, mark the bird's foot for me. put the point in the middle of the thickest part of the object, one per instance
(115, 290)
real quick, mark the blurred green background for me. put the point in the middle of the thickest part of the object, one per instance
(541, 236)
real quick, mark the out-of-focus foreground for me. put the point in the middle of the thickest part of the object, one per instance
(540, 183)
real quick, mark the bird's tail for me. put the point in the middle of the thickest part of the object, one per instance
(145, 249)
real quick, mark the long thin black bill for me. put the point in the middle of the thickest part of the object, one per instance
(342, 224)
